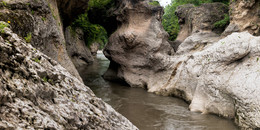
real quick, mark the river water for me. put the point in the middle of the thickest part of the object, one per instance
(146, 110)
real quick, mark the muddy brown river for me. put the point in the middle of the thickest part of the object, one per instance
(146, 110)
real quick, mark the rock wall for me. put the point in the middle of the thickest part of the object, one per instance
(38, 93)
(69, 9)
(78, 51)
(41, 19)
(200, 19)
(244, 16)
(139, 46)
(215, 74)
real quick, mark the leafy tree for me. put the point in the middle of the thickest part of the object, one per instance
(94, 32)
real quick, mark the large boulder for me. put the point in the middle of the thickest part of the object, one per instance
(138, 49)
(38, 93)
(222, 79)
(76, 47)
(244, 16)
(40, 22)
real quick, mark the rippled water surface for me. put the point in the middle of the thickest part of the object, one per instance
(145, 110)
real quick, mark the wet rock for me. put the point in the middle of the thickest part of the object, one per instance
(76, 47)
(49, 97)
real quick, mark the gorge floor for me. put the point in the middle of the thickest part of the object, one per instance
(146, 110)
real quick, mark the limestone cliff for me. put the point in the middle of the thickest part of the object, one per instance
(200, 19)
(40, 20)
(215, 74)
(138, 47)
(36, 92)
(244, 16)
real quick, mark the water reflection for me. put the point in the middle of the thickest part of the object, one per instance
(148, 111)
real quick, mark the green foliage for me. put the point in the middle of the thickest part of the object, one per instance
(43, 19)
(36, 60)
(2, 26)
(28, 38)
(223, 22)
(98, 4)
(93, 32)
(45, 79)
(3, 3)
(154, 3)
(32, 12)
(170, 20)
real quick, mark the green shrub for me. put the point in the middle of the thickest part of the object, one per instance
(3, 3)
(154, 3)
(223, 22)
(98, 3)
(2, 26)
(45, 79)
(36, 60)
(28, 38)
(43, 19)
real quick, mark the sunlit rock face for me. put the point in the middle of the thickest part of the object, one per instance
(36, 92)
(215, 74)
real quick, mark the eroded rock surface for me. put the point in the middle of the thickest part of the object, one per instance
(40, 19)
(38, 93)
(200, 19)
(139, 48)
(78, 51)
(244, 16)
(215, 74)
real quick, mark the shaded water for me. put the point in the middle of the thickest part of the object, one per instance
(145, 110)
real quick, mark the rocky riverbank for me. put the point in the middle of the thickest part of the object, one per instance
(216, 72)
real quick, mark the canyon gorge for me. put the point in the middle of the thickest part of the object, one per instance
(213, 68)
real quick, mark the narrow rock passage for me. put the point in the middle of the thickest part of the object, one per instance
(146, 110)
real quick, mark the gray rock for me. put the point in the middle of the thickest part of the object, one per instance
(76, 47)
(94, 48)
(200, 19)
(38, 93)
(41, 19)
